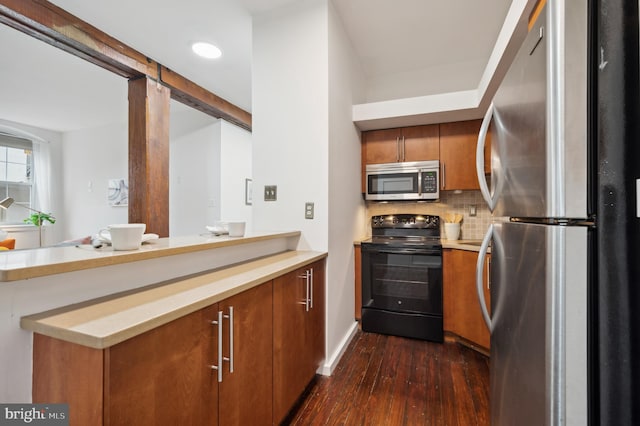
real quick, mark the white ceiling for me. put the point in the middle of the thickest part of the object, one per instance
(407, 48)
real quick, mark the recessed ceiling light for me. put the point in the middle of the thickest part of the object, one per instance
(206, 50)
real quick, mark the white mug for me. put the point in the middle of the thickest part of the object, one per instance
(124, 236)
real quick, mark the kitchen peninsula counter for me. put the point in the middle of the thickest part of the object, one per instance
(26, 264)
(47, 279)
(110, 320)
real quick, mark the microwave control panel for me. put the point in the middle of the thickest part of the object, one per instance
(429, 182)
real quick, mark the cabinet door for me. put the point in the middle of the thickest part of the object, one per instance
(487, 282)
(448, 290)
(487, 152)
(68, 373)
(381, 146)
(358, 281)
(164, 376)
(461, 304)
(315, 322)
(245, 395)
(298, 335)
(458, 155)
(420, 143)
(290, 352)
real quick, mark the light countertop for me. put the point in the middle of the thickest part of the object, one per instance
(112, 319)
(468, 245)
(24, 264)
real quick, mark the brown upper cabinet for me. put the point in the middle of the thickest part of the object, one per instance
(417, 143)
(458, 143)
(454, 144)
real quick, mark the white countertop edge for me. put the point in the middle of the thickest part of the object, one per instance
(113, 319)
(24, 264)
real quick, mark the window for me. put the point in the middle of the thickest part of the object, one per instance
(16, 176)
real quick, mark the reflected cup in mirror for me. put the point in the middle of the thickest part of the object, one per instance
(236, 229)
(124, 236)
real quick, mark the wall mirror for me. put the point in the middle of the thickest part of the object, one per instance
(79, 111)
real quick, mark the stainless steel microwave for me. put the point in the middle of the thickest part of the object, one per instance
(419, 180)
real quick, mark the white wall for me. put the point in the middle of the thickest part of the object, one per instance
(92, 157)
(198, 145)
(235, 167)
(305, 81)
(346, 206)
(208, 168)
(290, 120)
(194, 196)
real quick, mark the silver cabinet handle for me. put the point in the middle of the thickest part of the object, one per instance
(230, 358)
(402, 150)
(443, 177)
(479, 269)
(397, 149)
(219, 366)
(307, 300)
(311, 291)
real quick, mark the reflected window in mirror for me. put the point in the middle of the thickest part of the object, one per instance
(16, 175)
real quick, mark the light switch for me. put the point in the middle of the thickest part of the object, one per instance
(308, 210)
(270, 192)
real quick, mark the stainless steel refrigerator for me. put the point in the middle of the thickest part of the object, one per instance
(564, 239)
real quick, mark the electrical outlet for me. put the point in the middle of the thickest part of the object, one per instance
(308, 210)
(473, 210)
(270, 192)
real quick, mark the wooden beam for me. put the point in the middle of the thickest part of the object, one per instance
(189, 93)
(149, 155)
(53, 25)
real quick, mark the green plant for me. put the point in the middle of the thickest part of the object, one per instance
(38, 218)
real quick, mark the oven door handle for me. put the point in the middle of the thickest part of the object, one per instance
(405, 251)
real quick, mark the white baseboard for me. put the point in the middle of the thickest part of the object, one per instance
(332, 362)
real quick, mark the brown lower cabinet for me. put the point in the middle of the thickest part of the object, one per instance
(164, 376)
(462, 312)
(357, 253)
(298, 334)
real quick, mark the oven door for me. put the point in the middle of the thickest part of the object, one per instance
(402, 279)
(402, 291)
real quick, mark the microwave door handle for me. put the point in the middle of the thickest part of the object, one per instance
(419, 183)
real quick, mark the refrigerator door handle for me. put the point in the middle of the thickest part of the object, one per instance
(482, 137)
(479, 275)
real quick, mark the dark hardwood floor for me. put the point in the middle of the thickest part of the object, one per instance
(387, 380)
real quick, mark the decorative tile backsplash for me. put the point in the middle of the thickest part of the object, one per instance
(473, 227)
